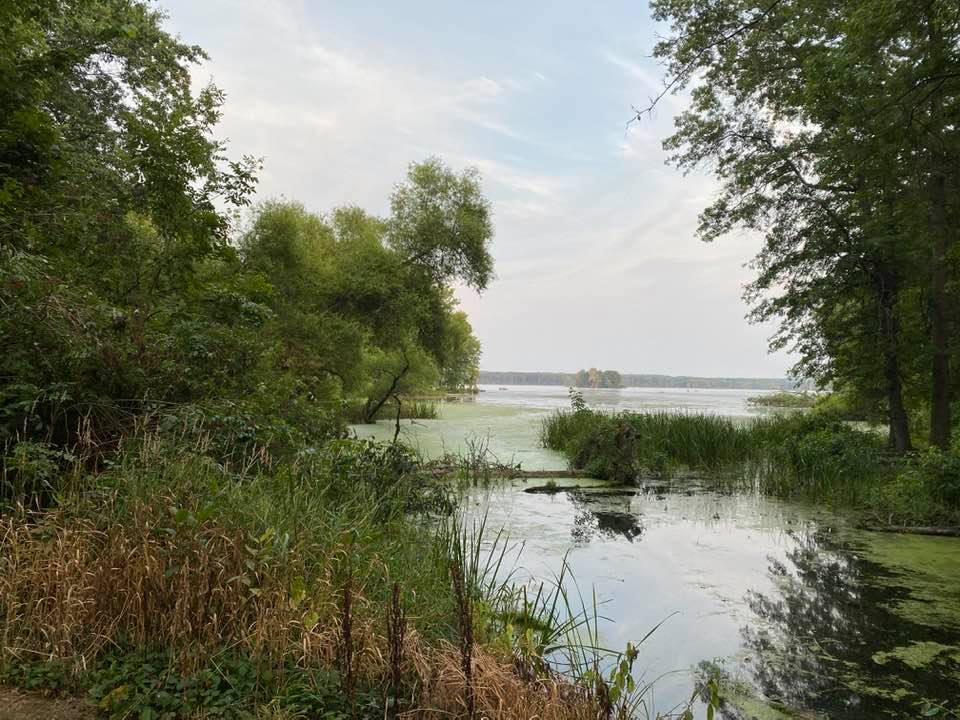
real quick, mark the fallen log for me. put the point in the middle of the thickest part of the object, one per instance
(509, 473)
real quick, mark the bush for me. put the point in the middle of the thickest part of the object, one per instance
(927, 486)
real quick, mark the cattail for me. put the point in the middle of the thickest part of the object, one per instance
(465, 622)
(396, 632)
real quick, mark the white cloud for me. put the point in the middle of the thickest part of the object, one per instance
(483, 87)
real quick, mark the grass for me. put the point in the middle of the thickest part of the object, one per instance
(810, 455)
(332, 583)
(410, 409)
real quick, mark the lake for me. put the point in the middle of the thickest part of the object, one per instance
(792, 604)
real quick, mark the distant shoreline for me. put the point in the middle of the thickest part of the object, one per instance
(494, 377)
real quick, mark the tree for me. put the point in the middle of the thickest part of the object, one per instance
(350, 303)
(114, 199)
(99, 122)
(611, 379)
(460, 355)
(820, 120)
(440, 223)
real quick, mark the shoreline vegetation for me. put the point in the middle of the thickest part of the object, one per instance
(185, 528)
(172, 583)
(812, 455)
(785, 400)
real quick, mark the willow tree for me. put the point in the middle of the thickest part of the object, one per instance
(363, 306)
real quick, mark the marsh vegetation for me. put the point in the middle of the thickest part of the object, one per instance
(812, 456)
(189, 526)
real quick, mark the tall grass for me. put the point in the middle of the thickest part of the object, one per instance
(550, 628)
(169, 564)
(355, 412)
(796, 455)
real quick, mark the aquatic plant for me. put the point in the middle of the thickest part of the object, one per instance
(809, 455)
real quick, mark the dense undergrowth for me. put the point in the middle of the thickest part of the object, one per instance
(807, 455)
(164, 579)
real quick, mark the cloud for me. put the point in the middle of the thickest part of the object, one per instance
(483, 87)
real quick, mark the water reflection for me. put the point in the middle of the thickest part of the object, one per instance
(604, 513)
(817, 632)
(823, 640)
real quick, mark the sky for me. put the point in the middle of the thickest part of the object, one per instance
(596, 256)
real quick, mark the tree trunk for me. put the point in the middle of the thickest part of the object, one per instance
(371, 411)
(888, 290)
(940, 237)
(940, 420)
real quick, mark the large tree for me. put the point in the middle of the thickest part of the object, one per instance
(368, 302)
(829, 126)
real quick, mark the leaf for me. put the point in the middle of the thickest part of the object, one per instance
(114, 697)
(298, 591)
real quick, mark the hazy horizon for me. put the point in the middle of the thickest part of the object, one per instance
(785, 375)
(595, 252)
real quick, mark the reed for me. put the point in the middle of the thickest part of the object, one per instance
(789, 455)
(396, 636)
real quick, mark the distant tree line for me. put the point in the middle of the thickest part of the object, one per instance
(490, 377)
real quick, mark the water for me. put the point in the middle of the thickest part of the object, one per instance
(789, 601)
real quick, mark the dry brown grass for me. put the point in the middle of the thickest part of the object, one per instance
(498, 692)
(69, 590)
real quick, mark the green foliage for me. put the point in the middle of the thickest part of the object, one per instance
(845, 405)
(127, 291)
(594, 378)
(831, 128)
(624, 446)
(788, 400)
(926, 486)
(148, 685)
(440, 224)
(31, 471)
(812, 455)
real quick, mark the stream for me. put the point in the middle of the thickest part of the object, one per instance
(802, 614)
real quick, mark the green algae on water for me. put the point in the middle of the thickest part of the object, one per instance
(919, 655)
(927, 568)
